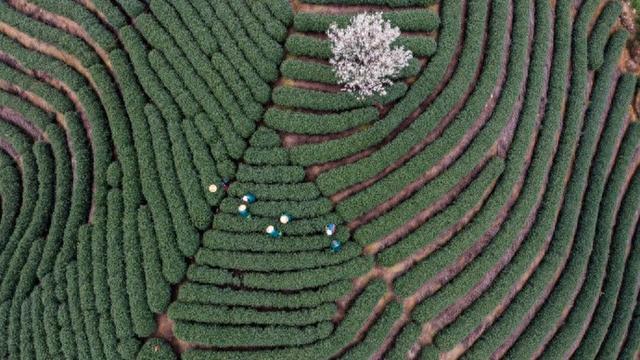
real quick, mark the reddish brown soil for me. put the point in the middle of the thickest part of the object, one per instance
(9, 149)
(15, 118)
(165, 331)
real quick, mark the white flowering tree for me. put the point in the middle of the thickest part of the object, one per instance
(363, 59)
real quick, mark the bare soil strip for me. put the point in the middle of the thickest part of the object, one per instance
(13, 117)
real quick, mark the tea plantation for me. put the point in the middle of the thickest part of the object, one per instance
(185, 179)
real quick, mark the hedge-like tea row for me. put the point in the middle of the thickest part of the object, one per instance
(327, 101)
(461, 245)
(314, 124)
(600, 33)
(405, 20)
(551, 201)
(581, 247)
(130, 132)
(240, 315)
(228, 336)
(475, 270)
(312, 46)
(275, 262)
(619, 237)
(392, 3)
(347, 328)
(606, 151)
(318, 72)
(627, 297)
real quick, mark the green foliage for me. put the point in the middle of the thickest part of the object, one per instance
(611, 258)
(156, 349)
(117, 117)
(317, 124)
(216, 239)
(186, 234)
(311, 46)
(116, 276)
(275, 262)
(566, 227)
(233, 336)
(407, 20)
(392, 3)
(600, 33)
(207, 294)
(114, 175)
(237, 315)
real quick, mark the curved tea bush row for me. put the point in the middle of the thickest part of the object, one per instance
(485, 207)
(393, 3)
(405, 20)
(620, 236)
(600, 33)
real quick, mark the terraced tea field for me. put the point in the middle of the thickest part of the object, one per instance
(486, 207)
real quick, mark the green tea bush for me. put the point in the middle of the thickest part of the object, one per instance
(608, 270)
(252, 242)
(208, 294)
(205, 275)
(445, 219)
(356, 315)
(600, 33)
(275, 262)
(306, 279)
(85, 292)
(276, 174)
(392, 3)
(588, 222)
(260, 60)
(407, 20)
(234, 336)
(540, 164)
(202, 159)
(116, 276)
(156, 349)
(376, 333)
(280, 10)
(75, 313)
(297, 209)
(196, 26)
(186, 234)
(50, 34)
(271, 24)
(554, 304)
(318, 124)
(37, 326)
(237, 315)
(269, 47)
(551, 201)
(326, 101)
(233, 53)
